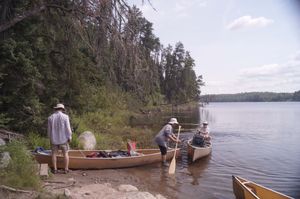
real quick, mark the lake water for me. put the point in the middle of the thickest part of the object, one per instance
(257, 141)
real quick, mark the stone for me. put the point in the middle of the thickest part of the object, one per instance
(71, 179)
(159, 196)
(127, 188)
(140, 195)
(67, 193)
(4, 159)
(87, 140)
(44, 170)
(2, 142)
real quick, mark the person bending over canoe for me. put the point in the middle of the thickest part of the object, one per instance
(162, 138)
(202, 136)
(60, 134)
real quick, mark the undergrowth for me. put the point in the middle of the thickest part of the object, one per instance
(21, 171)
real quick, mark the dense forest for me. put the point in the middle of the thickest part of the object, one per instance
(252, 97)
(93, 56)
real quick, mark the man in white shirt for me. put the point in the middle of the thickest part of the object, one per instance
(202, 137)
(204, 131)
(60, 134)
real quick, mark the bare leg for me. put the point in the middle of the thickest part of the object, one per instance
(54, 154)
(164, 158)
(66, 159)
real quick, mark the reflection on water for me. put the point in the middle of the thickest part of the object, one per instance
(257, 141)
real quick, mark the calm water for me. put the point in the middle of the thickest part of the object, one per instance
(257, 141)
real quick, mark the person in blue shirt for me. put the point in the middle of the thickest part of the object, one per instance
(163, 137)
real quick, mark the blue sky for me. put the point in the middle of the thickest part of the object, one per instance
(238, 45)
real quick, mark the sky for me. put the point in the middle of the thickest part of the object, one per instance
(238, 45)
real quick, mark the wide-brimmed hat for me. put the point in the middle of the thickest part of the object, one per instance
(59, 106)
(205, 122)
(173, 121)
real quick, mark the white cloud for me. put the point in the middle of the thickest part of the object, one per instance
(283, 77)
(249, 22)
(265, 70)
(182, 7)
(273, 77)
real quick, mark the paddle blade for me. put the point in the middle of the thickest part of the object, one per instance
(172, 166)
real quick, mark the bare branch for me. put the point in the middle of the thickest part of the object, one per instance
(19, 18)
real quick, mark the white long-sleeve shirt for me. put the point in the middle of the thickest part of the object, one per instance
(59, 129)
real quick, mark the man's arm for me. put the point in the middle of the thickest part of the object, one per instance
(174, 138)
(69, 131)
(49, 129)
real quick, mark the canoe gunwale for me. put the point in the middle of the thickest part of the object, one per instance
(79, 162)
(243, 183)
(191, 151)
(103, 158)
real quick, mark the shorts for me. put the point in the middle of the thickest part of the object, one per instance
(163, 150)
(64, 147)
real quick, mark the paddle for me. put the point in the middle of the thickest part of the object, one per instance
(173, 162)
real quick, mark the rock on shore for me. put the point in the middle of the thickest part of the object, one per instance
(106, 191)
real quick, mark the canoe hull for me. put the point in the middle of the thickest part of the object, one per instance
(195, 153)
(77, 159)
(244, 189)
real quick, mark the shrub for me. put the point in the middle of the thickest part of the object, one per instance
(36, 140)
(21, 171)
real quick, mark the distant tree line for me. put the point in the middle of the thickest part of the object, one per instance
(252, 97)
(70, 50)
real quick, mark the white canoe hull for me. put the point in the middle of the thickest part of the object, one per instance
(195, 153)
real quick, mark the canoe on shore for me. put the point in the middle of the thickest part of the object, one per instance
(245, 189)
(78, 159)
(195, 152)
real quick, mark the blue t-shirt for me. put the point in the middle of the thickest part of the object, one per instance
(163, 136)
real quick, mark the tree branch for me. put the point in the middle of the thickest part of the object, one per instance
(19, 18)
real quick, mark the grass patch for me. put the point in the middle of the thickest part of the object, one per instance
(22, 170)
(36, 140)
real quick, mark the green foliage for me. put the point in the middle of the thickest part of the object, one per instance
(296, 96)
(142, 136)
(180, 83)
(35, 140)
(109, 141)
(74, 144)
(248, 97)
(21, 171)
(19, 80)
(100, 67)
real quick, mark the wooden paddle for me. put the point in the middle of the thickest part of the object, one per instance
(173, 162)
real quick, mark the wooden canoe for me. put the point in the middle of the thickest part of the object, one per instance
(245, 189)
(78, 159)
(195, 153)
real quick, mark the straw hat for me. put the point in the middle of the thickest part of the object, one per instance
(205, 122)
(59, 106)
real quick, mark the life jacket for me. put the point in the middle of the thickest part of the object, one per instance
(198, 140)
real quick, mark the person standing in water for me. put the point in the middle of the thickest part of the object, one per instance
(162, 138)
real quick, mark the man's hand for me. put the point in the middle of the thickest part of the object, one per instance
(69, 140)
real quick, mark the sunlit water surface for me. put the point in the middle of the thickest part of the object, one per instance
(257, 141)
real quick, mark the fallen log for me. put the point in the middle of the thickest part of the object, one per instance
(13, 189)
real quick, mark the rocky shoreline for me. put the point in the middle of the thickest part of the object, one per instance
(104, 184)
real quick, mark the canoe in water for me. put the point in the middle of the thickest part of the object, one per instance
(195, 152)
(245, 189)
(78, 159)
